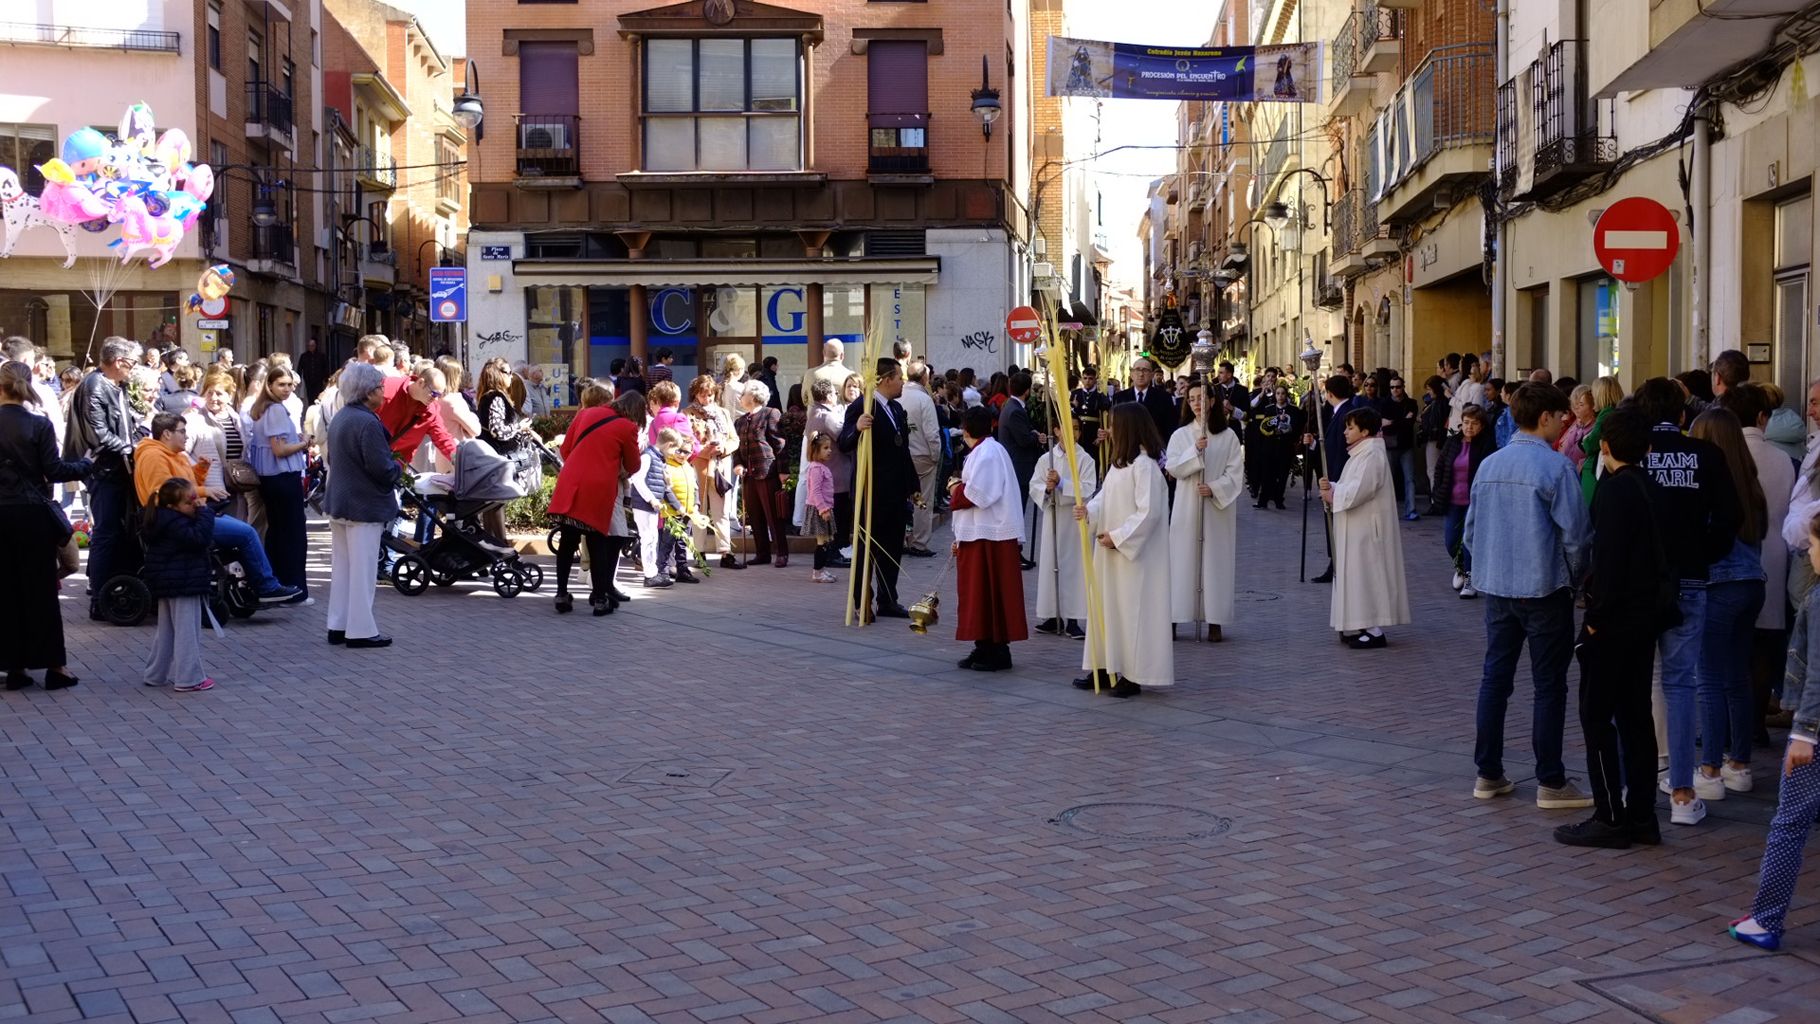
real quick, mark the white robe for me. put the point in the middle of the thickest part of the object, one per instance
(1201, 584)
(1058, 537)
(1368, 585)
(1133, 575)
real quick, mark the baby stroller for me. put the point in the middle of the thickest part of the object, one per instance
(459, 547)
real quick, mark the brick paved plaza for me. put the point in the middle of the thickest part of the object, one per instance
(718, 805)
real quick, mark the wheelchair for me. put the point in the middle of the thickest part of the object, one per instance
(125, 600)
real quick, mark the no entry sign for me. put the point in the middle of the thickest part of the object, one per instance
(1636, 239)
(1023, 325)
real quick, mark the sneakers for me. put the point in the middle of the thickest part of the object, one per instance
(1051, 627)
(283, 595)
(822, 576)
(1459, 579)
(1564, 797)
(1691, 813)
(1467, 593)
(1595, 833)
(1485, 789)
(658, 582)
(1074, 631)
(1704, 788)
(1737, 780)
(1749, 932)
(206, 684)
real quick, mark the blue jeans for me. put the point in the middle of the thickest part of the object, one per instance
(1453, 534)
(1406, 459)
(1548, 624)
(1679, 650)
(232, 533)
(111, 552)
(1727, 701)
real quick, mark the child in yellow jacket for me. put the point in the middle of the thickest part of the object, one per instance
(679, 510)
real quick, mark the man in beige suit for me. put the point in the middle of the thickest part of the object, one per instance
(831, 370)
(925, 453)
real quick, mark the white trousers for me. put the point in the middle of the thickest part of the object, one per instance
(647, 526)
(716, 506)
(353, 573)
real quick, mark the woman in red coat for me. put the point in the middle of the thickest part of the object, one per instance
(599, 448)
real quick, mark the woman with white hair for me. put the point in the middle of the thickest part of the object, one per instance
(362, 499)
(760, 464)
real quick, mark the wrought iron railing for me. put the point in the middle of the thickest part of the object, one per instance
(1564, 136)
(275, 243)
(266, 105)
(1364, 28)
(90, 38)
(549, 145)
(897, 144)
(375, 166)
(1454, 92)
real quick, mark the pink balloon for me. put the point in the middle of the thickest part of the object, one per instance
(140, 230)
(199, 181)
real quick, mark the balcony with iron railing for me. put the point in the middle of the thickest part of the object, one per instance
(274, 248)
(268, 113)
(1548, 128)
(897, 147)
(26, 33)
(378, 265)
(549, 146)
(1359, 240)
(1438, 130)
(1369, 43)
(375, 169)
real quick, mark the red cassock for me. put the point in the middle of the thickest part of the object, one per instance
(989, 585)
(593, 459)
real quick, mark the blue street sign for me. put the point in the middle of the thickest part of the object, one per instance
(448, 294)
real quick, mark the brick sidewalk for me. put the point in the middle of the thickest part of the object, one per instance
(718, 805)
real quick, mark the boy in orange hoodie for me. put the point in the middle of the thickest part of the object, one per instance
(161, 457)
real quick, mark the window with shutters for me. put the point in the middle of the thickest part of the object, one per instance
(549, 97)
(722, 104)
(897, 106)
(23, 147)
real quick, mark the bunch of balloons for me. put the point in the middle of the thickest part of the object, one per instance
(141, 180)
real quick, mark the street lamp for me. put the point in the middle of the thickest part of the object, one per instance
(1277, 215)
(469, 110)
(265, 211)
(985, 99)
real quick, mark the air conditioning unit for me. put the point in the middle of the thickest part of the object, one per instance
(1042, 270)
(1039, 246)
(544, 136)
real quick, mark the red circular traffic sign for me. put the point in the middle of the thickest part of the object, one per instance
(1023, 325)
(1636, 239)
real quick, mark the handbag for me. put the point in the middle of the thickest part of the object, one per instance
(239, 476)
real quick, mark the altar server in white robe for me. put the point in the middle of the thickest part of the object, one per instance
(1208, 463)
(1129, 519)
(1369, 591)
(1061, 580)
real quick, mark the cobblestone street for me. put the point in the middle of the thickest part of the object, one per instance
(718, 805)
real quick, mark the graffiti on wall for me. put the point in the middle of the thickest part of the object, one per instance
(501, 339)
(980, 341)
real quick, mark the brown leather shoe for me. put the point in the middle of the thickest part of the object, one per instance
(783, 562)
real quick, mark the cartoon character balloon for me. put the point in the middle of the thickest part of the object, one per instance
(214, 283)
(140, 179)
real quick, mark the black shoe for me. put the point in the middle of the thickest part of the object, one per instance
(338, 637)
(17, 681)
(1326, 577)
(1050, 627)
(1026, 564)
(362, 642)
(564, 604)
(837, 562)
(1282, 507)
(1106, 679)
(1593, 832)
(973, 658)
(1646, 834)
(55, 680)
(1074, 631)
(731, 562)
(893, 611)
(1368, 642)
(602, 605)
(755, 560)
(1261, 504)
(658, 582)
(685, 576)
(619, 596)
(919, 552)
(1126, 688)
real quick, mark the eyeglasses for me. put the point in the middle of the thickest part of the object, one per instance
(1396, 387)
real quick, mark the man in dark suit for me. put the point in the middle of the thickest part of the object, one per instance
(1090, 406)
(1154, 397)
(893, 479)
(1020, 440)
(1339, 400)
(1226, 388)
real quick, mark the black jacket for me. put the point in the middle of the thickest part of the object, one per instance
(99, 426)
(893, 474)
(1440, 492)
(1700, 509)
(1019, 438)
(1399, 422)
(1333, 431)
(28, 458)
(177, 553)
(1159, 403)
(1632, 587)
(1240, 399)
(1089, 411)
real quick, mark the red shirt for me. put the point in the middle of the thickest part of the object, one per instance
(407, 421)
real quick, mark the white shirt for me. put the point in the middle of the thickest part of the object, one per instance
(992, 486)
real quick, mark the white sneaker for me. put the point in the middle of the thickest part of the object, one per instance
(1459, 579)
(1691, 813)
(1466, 592)
(1738, 780)
(1708, 789)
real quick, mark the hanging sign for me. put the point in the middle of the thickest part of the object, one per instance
(1289, 73)
(1171, 340)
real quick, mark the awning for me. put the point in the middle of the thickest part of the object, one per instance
(925, 270)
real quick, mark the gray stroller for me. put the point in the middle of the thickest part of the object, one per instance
(453, 545)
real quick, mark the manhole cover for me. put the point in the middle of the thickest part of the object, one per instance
(1143, 822)
(1753, 987)
(668, 773)
(1257, 595)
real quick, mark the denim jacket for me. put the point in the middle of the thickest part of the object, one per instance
(1527, 527)
(1742, 564)
(1803, 650)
